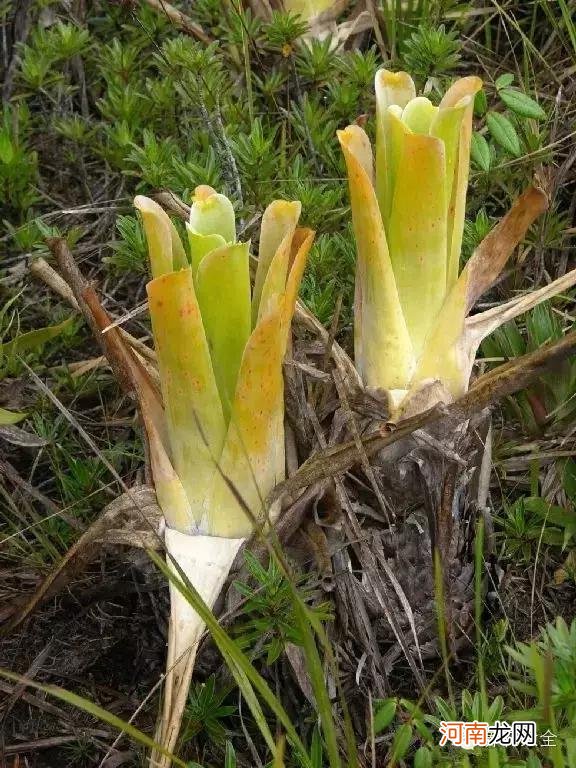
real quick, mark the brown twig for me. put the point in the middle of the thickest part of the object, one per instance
(20, 30)
(179, 19)
(52, 741)
(43, 271)
(10, 472)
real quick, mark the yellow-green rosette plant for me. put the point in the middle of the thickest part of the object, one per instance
(413, 337)
(218, 451)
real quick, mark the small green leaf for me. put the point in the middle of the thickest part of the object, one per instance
(6, 149)
(480, 152)
(522, 104)
(401, 743)
(212, 214)
(10, 417)
(230, 757)
(33, 339)
(504, 133)
(504, 80)
(423, 758)
(480, 103)
(384, 711)
(316, 751)
(223, 292)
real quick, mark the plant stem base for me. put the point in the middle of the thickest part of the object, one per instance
(206, 562)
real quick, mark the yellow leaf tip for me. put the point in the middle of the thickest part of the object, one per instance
(465, 86)
(349, 134)
(146, 205)
(202, 193)
(286, 207)
(541, 197)
(395, 79)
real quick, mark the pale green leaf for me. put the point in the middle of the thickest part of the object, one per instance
(503, 81)
(419, 114)
(253, 453)
(279, 220)
(158, 229)
(504, 133)
(394, 90)
(383, 348)
(460, 95)
(417, 234)
(522, 104)
(200, 245)
(384, 713)
(480, 152)
(10, 417)
(212, 214)
(223, 290)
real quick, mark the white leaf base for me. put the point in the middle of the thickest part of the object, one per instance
(206, 561)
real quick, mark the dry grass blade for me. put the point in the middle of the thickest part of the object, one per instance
(140, 500)
(131, 372)
(8, 471)
(31, 673)
(43, 271)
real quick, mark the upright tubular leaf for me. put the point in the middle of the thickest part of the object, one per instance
(419, 114)
(196, 425)
(275, 282)
(461, 94)
(170, 492)
(447, 126)
(445, 357)
(223, 289)
(212, 214)
(200, 245)
(179, 258)
(255, 433)
(392, 89)
(253, 458)
(417, 234)
(158, 228)
(449, 352)
(301, 244)
(279, 219)
(384, 349)
(386, 177)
